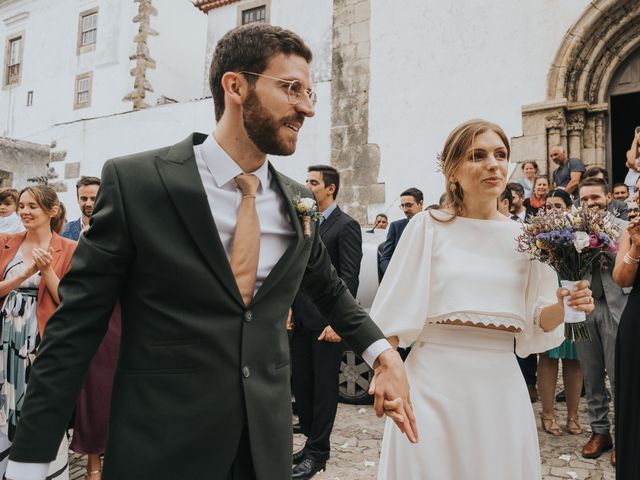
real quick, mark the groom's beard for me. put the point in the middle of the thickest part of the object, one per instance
(264, 130)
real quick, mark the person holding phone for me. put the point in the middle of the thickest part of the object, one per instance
(633, 162)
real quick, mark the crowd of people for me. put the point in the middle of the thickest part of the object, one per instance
(232, 251)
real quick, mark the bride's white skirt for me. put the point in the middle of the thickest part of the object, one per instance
(472, 409)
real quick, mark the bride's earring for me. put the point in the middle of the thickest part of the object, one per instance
(453, 184)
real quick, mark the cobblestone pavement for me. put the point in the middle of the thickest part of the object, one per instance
(355, 446)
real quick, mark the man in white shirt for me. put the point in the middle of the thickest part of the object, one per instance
(202, 387)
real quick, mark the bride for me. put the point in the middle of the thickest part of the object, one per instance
(457, 287)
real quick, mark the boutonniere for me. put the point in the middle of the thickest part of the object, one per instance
(307, 210)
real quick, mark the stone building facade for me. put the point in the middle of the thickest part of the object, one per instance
(599, 58)
(23, 163)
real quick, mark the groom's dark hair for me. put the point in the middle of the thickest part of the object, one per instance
(249, 49)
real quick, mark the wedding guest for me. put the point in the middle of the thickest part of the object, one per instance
(517, 204)
(569, 172)
(620, 191)
(32, 263)
(382, 221)
(505, 202)
(9, 220)
(530, 170)
(477, 295)
(538, 200)
(633, 162)
(597, 357)
(316, 349)
(618, 208)
(411, 201)
(548, 362)
(627, 386)
(86, 192)
(92, 408)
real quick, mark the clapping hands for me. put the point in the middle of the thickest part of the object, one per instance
(634, 231)
(42, 259)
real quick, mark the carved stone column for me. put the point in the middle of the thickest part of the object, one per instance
(575, 128)
(554, 124)
(599, 139)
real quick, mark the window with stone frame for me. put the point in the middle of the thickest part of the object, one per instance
(13, 60)
(83, 90)
(87, 31)
(254, 15)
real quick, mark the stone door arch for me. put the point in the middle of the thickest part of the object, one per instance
(576, 111)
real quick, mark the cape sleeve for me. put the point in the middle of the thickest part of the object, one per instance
(401, 304)
(541, 292)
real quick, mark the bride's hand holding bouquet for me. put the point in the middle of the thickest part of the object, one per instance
(570, 243)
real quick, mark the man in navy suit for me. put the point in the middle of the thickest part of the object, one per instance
(87, 191)
(316, 349)
(411, 201)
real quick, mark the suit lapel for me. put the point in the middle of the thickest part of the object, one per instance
(179, 173)
(282, 266)
(327, 223)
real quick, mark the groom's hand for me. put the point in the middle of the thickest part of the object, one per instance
(390, 389)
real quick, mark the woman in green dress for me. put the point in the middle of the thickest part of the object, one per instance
(548, 363)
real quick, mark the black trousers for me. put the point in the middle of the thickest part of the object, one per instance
(529, 368)
(242, 467)
(315, 366)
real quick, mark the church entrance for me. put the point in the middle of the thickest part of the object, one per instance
(624, 114)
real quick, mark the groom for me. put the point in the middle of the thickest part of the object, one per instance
(205, 261)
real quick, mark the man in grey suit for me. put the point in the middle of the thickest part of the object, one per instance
(597, 357)
(202, 387)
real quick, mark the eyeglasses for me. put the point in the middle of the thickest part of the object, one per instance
(407, 206)
(295, 91)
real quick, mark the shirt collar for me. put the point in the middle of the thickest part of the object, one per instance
(329, 210)
(222, 166)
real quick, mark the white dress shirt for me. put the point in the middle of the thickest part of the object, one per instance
(218, 170)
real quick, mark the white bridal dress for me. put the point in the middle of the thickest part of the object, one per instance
(470, 400)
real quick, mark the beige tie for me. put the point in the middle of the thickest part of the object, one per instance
(245, 247)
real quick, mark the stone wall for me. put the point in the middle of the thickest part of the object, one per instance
(22, 161)
(357, 160)
(576, 111)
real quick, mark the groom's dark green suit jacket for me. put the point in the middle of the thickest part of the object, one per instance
(195, 364)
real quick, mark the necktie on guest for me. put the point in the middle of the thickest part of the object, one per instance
(245, 246)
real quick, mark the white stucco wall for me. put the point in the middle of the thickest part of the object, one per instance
(92, 142)
(437, 64)
(315, 27)
(51, 64)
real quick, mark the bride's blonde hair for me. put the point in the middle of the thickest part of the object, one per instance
(458, 143)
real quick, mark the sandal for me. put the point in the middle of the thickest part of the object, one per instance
(573, 427)
(93, 475)
(550, 425)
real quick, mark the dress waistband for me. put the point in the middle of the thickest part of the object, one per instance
(28, 291)
(467, 336)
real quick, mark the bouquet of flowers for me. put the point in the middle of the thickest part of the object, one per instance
(570, 243)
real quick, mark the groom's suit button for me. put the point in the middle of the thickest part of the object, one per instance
(248, 316)
(246, 372)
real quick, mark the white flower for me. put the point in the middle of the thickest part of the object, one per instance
(307, 203)
(581, 241)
